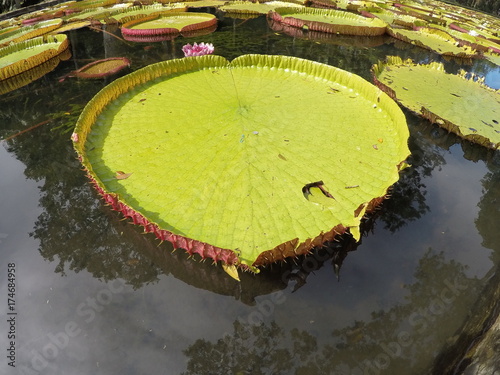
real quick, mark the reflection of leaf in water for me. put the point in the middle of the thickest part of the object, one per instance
(257, 347)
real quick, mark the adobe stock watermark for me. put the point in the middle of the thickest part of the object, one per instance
(87, 310)
(420, 321)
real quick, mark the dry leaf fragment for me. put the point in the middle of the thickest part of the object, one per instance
(120, 175)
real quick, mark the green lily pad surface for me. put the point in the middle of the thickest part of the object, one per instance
(261, 158)
(461, 104)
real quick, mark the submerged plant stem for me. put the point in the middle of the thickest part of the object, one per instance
(27, 130)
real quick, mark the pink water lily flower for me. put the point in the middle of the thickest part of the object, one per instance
(198, 49)
(74, 137)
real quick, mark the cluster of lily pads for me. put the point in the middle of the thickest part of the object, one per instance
(256, 194)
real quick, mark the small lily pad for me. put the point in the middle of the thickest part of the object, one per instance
(101, 68)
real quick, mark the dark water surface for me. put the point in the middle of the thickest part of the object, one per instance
(96, 296)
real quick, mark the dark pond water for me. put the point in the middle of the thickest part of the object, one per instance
(96, 296)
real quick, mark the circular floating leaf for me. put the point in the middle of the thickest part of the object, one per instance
(28, 32)
(72, 26)
(172, 23)
(329, 38)
(463, 106)
(101, 68)
(78, 6)
(248, 7)
(329, 21)
(392, 17)
(125, 15)
(434, 40)
(92, 14)
(23, 56)
(248, 161)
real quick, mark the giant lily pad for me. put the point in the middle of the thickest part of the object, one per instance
(434, 40)
(172, 23)
(248, 7)
(92, 14)
(246, 162)
(460, 104)
(88, 4)
(329, 20)
(22, 56)
(392, 17)
(125, 15)
(28, 32)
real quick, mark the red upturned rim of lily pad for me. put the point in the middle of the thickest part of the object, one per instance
(191, 246)
(128, 30)
(204, 250)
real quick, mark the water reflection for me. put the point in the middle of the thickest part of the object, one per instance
(385, 343)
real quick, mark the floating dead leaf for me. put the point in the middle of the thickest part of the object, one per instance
(120, 175)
